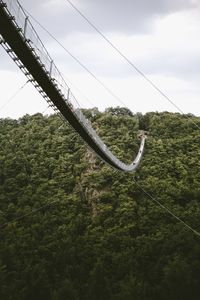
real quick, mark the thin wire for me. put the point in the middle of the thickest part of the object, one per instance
(167, 209)
(130, 62)
(43, 112)
(78, 61)
(80, 92)
(46, 109)
(28, 214)
(13, 96)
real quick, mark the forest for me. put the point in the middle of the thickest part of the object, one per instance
(72, 228)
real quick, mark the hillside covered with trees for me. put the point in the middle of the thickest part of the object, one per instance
(72, 228)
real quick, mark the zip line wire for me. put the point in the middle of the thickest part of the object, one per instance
(167, 209)
(27, 214)
(130, 62)
(13, 96)
(77, 60)
(138, 185)
(80, 92)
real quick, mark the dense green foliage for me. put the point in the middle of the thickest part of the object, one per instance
(98, 235)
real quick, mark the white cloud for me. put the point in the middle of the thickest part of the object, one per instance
(127, 17)
(169, 55)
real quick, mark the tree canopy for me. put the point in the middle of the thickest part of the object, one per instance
(73, 228)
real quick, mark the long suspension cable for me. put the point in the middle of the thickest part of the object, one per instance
(27, 214)
(77, 60)
(130, 62)
(80, 92)
(167, 209)
(139, 186)
(13, 96)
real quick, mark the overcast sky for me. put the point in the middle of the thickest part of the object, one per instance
(161, 37)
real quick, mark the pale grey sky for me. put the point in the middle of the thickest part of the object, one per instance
(160, 37)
